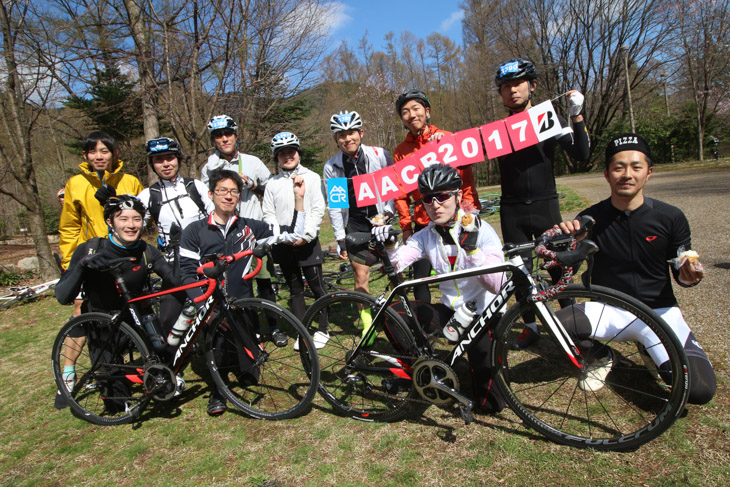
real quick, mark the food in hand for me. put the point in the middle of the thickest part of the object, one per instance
(468, 222)
(690, 255)
(378, 219)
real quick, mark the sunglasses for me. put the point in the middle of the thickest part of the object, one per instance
(440, 197)
(223, 132)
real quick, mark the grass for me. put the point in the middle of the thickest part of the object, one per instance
(176, 443)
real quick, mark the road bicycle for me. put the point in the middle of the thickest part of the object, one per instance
(490, 204)
(584, 391)
(118, 369)
(20, 294)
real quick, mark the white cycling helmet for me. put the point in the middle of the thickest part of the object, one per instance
(345, 121)
(284, 139)
(220, 122)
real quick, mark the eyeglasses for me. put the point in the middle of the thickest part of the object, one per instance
(224, 191)
(224, 132)
(440, 197)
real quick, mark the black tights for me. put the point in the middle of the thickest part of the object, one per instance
(293, 276)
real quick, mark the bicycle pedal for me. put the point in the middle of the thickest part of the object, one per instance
(466, 414)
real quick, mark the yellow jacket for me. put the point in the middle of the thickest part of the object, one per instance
(82, 216)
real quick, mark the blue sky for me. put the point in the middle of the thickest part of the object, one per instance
(378, 17)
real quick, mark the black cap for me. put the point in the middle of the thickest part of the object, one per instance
(628, 141)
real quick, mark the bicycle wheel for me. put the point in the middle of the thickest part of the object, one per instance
(376, 385)
(109, 359)
(618, 400)
(259, 378)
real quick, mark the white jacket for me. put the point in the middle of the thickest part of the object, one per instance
(278, 204)
(376, 160)
(429, 244)
(245, 165)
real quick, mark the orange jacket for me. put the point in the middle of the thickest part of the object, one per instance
(410, 145)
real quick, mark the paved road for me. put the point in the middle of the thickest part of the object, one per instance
(703, 194)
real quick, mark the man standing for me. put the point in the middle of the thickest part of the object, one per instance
(85, 194)
(637, 236)
(173, 202)
(529, 203)
(414, 109)
(354, 159)
(223, 132)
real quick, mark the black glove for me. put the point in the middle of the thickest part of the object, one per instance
(173, 239)
(468, 240)
(104, 193)
(341, 247)
(96, 262)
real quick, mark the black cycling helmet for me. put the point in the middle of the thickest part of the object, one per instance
(515, 69)
(417, 95)
(161, 146)
(115, 204)
(438, 178)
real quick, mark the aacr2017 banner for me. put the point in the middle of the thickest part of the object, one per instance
(462, 148)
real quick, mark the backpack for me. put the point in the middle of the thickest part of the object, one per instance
(156, 198)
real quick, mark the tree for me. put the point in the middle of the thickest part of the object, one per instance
(704, 36)
(26, 91)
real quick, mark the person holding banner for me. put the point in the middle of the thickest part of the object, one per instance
(345, 171)
(529, 203)
(454, 239)
(414, 109)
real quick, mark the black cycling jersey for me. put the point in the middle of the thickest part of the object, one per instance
(527, 174)
(634, 247)
(100, 288)
(206, 237)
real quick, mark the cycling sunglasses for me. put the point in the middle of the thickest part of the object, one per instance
(440, 197)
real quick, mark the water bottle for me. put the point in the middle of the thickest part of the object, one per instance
(460, 321)
(182, 324)
(152, 327)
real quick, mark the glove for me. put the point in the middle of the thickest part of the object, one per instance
(382, 234)
(468, 239)
(104, 193)
(575, 104)
(341, 247)
(95, 262)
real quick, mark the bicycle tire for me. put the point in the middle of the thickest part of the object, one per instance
(109, 369)
(263, 380)
(627, 406)
(9, 302)
(358, 391)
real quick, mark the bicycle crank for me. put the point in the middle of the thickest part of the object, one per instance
(436, 382)
(159, 381)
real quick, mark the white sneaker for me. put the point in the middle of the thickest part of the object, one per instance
(180, 386)
(320, 339)
(596, 373)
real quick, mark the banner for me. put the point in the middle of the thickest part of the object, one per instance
(495, 139)
(337, 193)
